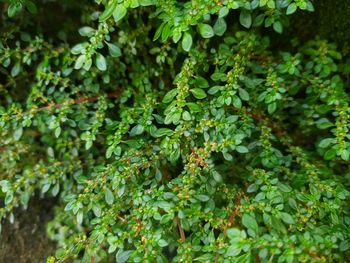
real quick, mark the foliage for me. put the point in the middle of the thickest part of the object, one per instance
(172, 131)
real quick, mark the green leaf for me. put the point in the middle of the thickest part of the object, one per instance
(206, 30)
(187, 42)
(77, 49)
(31, 7)
(323, 123)
(186, 115)
(158, 32)
(278, 27)
(80, 62)
(291, 9)
(137, 130)
(287, 218)
(86, 31)
(177, 36)
(233, 233)
(242, 149)
(218, 76)
(119, 12)
(326, 142)
(170, 96)
(345, 154)
(16, 69)
(198, 93)
(162, 243)
(123, 256)
(271, 108)
(162, 132)
(201, 83)
(108, 11)
(203, 198)
(220, 27)
(245, 18)
(114, 50)
(243, 94)
(166, 32)
(18, 133)
(249, 222)
(101, 62)
(13, 9)
(109, 197)
(330, 154)
(223, 12)
(193, 107)
(147, 2)
(233, 250)
(159, 175)
(284, 188)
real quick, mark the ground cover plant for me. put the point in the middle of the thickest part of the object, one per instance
(175, 131)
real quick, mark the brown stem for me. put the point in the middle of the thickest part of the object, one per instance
(181, 230)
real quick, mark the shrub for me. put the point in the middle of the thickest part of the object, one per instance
(172, 131)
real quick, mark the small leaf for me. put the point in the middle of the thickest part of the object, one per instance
(233, 233)
(163, 131)
(80, 62)
(202, 198)
(16, 69)
(284, 188)
(245, 18)
(109, 197)
(272, 107)
(326, 142)
(198, 93)
(287, 218)
(330, 154)
(86, 31)
(119, 12)
(137, 130)
(77, 49)
(31, 7)
(158, 175)
(123, 256)
(233, 250)
(114, 50)
(146, 2)
(14, 8)
(201, 83)
(108, 11)
(101, 62)
(80, 217)
(249, 222)
(206, 31)
(162, 243)
(18, 133)
(323, 123)
(278, 27)
(186, 42)
(242, 149)
(220, 27)
(169, 96)
(243, 94)
(223, 12)
(291, 9)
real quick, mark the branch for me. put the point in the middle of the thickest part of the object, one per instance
(182, 232)
(80, 100)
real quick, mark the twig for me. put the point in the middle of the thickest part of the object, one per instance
(182, 232)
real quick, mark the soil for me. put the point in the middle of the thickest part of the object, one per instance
(25, 241)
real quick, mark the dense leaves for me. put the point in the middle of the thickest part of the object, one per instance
(170, 131)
